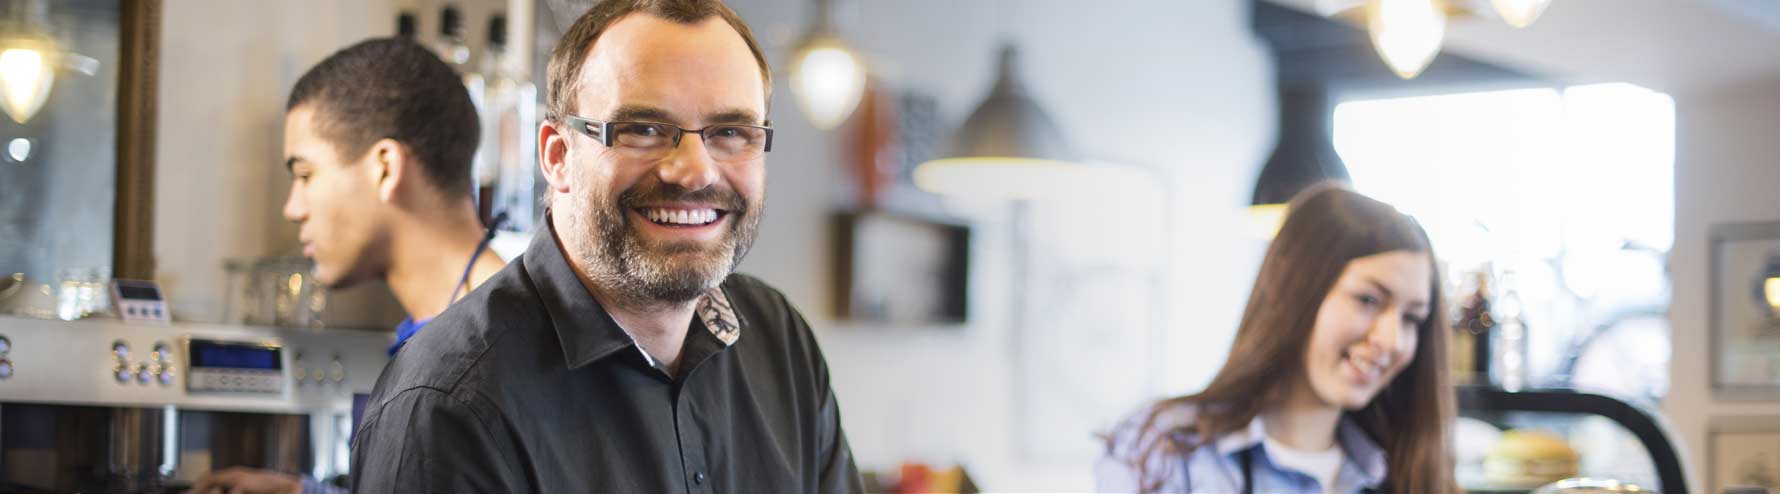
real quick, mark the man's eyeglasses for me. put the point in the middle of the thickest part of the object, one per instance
(654, 140)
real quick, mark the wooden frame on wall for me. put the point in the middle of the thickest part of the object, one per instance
(138, 92)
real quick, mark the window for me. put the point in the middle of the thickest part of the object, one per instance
(1571, 191)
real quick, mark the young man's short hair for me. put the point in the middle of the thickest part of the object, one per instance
(394, 88)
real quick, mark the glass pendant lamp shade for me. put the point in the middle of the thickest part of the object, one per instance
(1520, 13)
(1406, 33)
(26, 76)
(827, 76)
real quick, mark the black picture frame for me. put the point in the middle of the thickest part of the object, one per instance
(901, 269)
(1738, 253)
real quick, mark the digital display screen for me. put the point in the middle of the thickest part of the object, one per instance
(207, 353)
(136, 292)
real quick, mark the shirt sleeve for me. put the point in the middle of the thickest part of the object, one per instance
(838, 474)
(425, 441)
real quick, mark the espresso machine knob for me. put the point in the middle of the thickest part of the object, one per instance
(142, 374)
(5, 345)
(123, 372)
(5, 368)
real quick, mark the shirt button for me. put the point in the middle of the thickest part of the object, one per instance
(698, 478)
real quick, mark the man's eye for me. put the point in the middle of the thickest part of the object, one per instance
(641, 130)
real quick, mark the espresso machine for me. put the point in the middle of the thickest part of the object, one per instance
(100, 406)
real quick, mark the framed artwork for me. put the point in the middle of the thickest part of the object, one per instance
(901, 269)
(1745, 309)
(1744, 452)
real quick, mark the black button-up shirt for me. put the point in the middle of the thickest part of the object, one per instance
(528, 386)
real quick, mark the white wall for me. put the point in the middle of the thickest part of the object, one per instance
(1726, 170)
(1177, 87)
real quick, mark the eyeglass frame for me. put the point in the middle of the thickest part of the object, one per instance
(582, 126)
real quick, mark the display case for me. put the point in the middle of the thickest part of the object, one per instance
(1607, 438)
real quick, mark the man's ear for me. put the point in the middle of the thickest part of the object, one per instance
(388, 162)
(553, 156)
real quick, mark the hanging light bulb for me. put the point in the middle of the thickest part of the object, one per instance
(828, 81)
(25, 79)
(1406, 33)
(1520, 13)
(826, 76)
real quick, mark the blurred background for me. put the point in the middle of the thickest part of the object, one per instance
(1010, 222)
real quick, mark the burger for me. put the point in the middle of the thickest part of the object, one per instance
(1529, 458)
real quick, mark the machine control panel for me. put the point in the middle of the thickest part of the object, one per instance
(234, 366)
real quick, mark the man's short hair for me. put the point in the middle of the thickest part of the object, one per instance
(396, 89)
(570, 54)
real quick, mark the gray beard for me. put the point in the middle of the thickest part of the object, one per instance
(639, 274)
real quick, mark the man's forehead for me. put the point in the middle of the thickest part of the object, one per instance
(646, 60)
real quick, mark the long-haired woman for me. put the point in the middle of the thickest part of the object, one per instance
(1336, 382)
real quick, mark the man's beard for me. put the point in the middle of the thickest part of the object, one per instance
(642, 273)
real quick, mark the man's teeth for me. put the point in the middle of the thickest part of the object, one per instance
(680, 216)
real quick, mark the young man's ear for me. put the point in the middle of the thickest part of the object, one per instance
(389, 164)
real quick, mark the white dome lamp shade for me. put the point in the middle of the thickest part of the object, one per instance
(1008, 148)
(827, 77)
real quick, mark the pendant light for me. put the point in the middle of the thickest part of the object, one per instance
(25, 76)
(827, 77)
(29, 58)
(1406, 33)
(1520, 13)
(1009, 147)
(1303, 157)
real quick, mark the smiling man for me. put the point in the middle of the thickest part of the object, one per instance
(619, 353)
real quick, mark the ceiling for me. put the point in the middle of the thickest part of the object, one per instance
(1677, 46)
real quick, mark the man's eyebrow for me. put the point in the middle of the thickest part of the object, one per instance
(744, 117)
(628, 113)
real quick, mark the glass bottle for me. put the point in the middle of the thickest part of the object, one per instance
(1471, 333)
(509, 125)
(1509, 366)
(456, 53)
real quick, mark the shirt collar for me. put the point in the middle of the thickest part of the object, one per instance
(587, 332)
(1360, 454)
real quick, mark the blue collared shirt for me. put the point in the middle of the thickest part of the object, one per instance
(1217, 466)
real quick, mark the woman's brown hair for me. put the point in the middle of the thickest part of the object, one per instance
(1327, 227)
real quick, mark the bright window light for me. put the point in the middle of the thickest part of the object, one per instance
(1571, 188)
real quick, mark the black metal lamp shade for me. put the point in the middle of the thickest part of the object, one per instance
(1305, 155)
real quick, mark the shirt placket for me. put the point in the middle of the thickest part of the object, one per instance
(694, 463)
